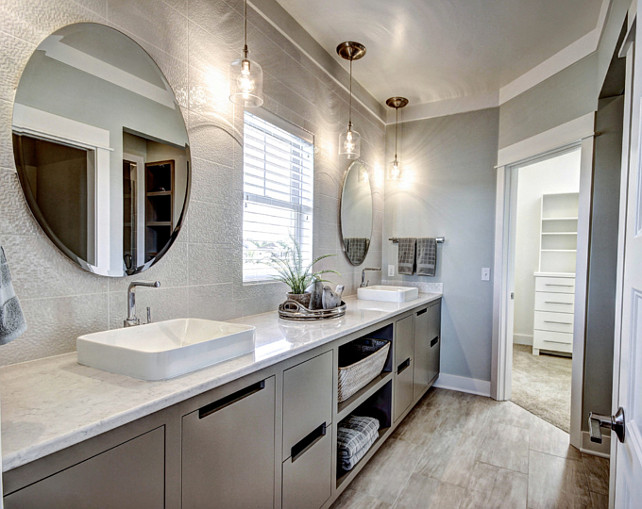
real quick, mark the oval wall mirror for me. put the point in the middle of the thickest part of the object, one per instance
(356, 213)
(101, 149)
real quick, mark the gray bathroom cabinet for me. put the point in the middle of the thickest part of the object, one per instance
(267, 440)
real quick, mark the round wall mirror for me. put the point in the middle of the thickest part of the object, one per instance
(356, 213)
(101, 149)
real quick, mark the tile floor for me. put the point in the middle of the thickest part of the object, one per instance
(456, 451)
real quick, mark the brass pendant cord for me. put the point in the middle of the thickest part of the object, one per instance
(396, 127)
(350, 100)
(245, 51)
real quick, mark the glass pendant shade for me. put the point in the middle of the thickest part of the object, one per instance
(350, 144)
(246, 83)
(394, 171)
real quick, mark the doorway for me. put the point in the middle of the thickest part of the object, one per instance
(544, 236)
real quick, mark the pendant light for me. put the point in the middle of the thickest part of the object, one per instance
(246, 87)
(350, 140)
(394, 171)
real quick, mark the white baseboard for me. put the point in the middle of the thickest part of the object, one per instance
(603, 449)
(523, 339)
(463, 384)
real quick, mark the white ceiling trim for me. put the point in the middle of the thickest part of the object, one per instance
(445, 107)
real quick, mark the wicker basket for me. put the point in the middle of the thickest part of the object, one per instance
(364, 359)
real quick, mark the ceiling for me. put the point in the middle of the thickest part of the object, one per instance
(431, 50)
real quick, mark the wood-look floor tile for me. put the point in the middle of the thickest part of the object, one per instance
(423, 492)
(506, 412)
(599, 501)
(353, 499)
(544, 437)
(506, 447)
(597, 473)
(463, 459)
(555, 482)
(510, 490)
(440, 452)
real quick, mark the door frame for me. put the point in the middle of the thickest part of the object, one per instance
(578, 132)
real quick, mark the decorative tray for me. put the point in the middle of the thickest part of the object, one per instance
(292, 310)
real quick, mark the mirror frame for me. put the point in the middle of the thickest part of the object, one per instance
(32, 204)
(343, 185)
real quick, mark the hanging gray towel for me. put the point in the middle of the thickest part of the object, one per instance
(426, 257)
(12, 321)
(356, 249)
(406, 256)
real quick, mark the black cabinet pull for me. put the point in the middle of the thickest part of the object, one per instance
(422, 311)
(232, 398)
(434, 341)
(306, 442)
(402, 367)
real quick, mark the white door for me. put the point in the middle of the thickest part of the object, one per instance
(626, 457)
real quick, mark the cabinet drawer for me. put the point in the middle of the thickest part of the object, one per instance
(554, 341)
(404, 387)
(307, 481)
(404, 339)
(131, 475)
(307, 399)
(228, 451)
(555, 284)
(556, 302)
(555, 322)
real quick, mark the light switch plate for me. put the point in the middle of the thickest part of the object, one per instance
(485, 274)
(391, 270)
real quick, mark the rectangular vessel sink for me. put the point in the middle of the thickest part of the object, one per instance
(162, 350)
(388, 293)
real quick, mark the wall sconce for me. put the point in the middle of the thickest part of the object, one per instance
(246, 87)
(394, 171)
(350, 141)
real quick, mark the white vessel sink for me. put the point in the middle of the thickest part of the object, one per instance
(162, 350)
(388, 293)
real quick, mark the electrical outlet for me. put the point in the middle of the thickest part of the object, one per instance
(485, 275)
(391, 270)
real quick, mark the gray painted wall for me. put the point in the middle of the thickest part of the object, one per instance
(193, 43)
(600, 312)
(565, 96)
(449, 189)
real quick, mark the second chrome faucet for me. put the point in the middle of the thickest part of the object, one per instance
(132, 319)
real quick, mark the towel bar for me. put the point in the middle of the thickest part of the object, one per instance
(440, 240)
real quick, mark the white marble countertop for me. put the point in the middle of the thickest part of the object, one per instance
(52, 403)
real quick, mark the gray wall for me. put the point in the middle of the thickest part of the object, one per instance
(193, 41)
(600, 312)
(564, 96)
(449, 190)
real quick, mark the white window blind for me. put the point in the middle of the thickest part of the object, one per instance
(278, 176)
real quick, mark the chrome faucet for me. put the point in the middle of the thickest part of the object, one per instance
(363, 275)
(132, 319)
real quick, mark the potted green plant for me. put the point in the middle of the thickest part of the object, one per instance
(298, 276)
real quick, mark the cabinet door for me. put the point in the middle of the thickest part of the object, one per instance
(131, 475)
(307, 399)
(228, 457)
(404, 365)
(427, 324)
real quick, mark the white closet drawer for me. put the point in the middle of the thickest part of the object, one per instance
(556, 302)
(555, 284)
(554, 322)
(553, 341)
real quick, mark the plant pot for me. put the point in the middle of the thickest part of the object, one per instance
(301, 298)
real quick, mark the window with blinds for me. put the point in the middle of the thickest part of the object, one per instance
(278, 175)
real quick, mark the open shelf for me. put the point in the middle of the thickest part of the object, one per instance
(350, 474)
(361, 395)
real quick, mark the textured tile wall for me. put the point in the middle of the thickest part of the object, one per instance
(193, 42)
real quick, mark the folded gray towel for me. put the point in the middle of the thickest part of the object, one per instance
(356, 249)
(12, 321)
(355, 435)
(406, 256)
(426, 256)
